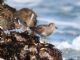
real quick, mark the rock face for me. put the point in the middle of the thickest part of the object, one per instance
(6, 17)
(1, 1)
(23, 45)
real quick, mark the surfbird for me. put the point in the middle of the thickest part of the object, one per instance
(27, 16)
(45, 30)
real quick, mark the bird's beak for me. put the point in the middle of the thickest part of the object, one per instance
(56, 27)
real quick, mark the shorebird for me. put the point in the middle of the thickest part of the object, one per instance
(27, 16)
(45, 30)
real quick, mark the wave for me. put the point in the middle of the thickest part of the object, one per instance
(76, 43)
(69, 50)
(64, 58)
(65, 44)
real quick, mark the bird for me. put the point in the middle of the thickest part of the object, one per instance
(27, 16)
(6, 18)
(25, 19)
(20, 27)
(45, 30)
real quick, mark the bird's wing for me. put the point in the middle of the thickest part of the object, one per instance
(41, 26)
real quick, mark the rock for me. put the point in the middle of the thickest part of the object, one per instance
(6, 17)
(2, 2)
(23, 46)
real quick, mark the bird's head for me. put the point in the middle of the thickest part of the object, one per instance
(53, 25)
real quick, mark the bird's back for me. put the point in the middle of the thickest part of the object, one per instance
(24, 14)
(45, 30)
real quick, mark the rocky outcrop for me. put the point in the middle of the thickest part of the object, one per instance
(24, 45)
(21, 46)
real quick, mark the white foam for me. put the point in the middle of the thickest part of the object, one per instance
(64, 58)
(76, 43)
(63, 45)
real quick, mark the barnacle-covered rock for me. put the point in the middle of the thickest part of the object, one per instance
(6, 17)
(23, 46)
(1, 2)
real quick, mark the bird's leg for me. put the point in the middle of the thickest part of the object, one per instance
(44, 39)
(33, 32)
(28, 30)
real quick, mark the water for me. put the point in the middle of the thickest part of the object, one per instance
(64, 13)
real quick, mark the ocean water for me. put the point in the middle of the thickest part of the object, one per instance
(65, 14)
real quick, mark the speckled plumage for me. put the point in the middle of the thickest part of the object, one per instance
(45, 30)
(25, 15)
